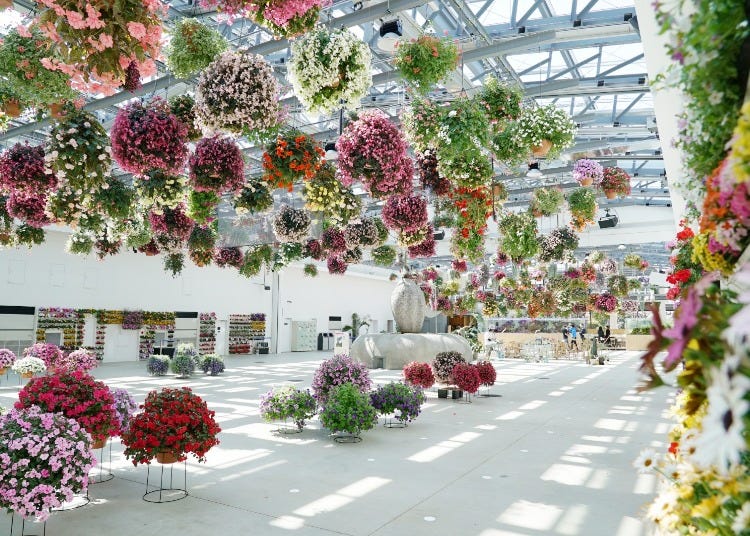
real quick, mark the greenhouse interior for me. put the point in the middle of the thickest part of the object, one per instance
(452, 259)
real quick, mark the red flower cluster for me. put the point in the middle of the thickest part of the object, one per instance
(487, 373)
(173, 420)
(420, 374)
(680, 276)
(466, 377)
(76, 395)
(291, 157)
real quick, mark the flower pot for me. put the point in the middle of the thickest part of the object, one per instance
(27, 375)
(611, 194)
(57, 110)
(12, 107)
(4, 4)
(543, 149)
(166, 457)
(407, 304)
(99, 444)
(3, 370)
(587, 181)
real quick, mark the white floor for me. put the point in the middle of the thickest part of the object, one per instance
(551, 456)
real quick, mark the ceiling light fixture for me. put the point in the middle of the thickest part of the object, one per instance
(534, 171)
(331, 152)
(390, 33)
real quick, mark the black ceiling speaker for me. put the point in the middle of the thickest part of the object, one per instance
(391, 28)
(608, 220)
(439, 235)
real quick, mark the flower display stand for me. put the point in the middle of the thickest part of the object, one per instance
(100, 473)
(454, 392)
(166, 492)
(347, 438)
(19, 527)
(78, 501)
(287, 427)
(391, 422)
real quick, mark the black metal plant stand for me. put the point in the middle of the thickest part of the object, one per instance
(166, 494)
(102, 474)
(391, 422)
(466, 399)
(347, 438)
(79, 501)
(22, 525)
(286, 428)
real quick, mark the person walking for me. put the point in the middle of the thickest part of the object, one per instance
(607, 335)
(573, 335)
(565, 336)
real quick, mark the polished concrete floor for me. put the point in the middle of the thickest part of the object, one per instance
(551, 455)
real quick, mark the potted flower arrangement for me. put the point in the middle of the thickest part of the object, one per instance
(212, 364)
(183, 108)
(635, 261)
(425, 61)
(288, 402)
(470, 169)
(291, 156)
(443, 365)
(588, 172)
(217, 166)
(463, 129)
(28, 366)
(193, 46)
(157, 365)
(201, 244)
(7, 358)
(255, 257)
(615, 181)
(384, 255)
(553, 246)
(337, 370)
(372, 149)
(347, 409)
(254, 197)
(608, 266)
(33, 484)
(10, 104)
(330, 68)
(501, 101)
(426, 248)
(487, 373)
(28, 207)
(291, 224)
(583, 207)
(286, 18)
(419, 374)
(405, 213)
(324, 193)
(238, 93)
(507, 147)
(363, 232)
(23, 53)
(519, 236)
(228, 256)
(333, 240)
(466, 377)
(125, 408)
(81, 359)
(604, 303)
(310, 270)
(77, 396)
(618, 285)
(47, 352)
(171, 226)
(158, 190)
(182, 364)
(421, 123)
(546, 201)
(405, 401)
(548, 130)
(29, 235)
(336, 265)
(147, 136)
(22, 170)
(107, 46)
(172, 424)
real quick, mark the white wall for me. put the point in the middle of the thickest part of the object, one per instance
(47, 276)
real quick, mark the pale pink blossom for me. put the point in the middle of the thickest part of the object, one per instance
(137, 30)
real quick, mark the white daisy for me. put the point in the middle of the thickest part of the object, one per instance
(742, 521)
(721, 441)
(646, 461)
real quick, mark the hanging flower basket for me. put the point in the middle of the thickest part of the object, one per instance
(425, 61)
(405, 213)
(615, 181)
(371, 149)
(292, 156)
(193, 46)
(548, 130)
(330, 69)
(12, 107)
(541, 150)
(217, 166)
(147, 136)
(291, 224)
(238, 93)
(588, 172)
(324, 193)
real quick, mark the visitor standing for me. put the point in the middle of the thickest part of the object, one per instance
(600, 334)
(573, 335)
(565, 336)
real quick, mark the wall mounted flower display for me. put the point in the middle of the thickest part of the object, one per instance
(193, 46)
(371, 149)
(292, 156)
(291, 224)
(217, 166)
(103, 47)
(588, 172)
(147, 136)
(426, 60)
(238, 93)
(330, 68)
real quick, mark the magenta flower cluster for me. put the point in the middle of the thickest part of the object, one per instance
(22, 168)
(420, 374)
(44, 461)
(147, 137)
(586, 168)
(333, 240)
(605, 302)
(47, 352)
(172, 223)
(466, 377)
(7, 358)
(405, 213)
(231, 256)
(426, 248)
(314, 249)
(28, 207)
(338, 370)
(336, 265)
(217, 166)
(372, 149)
(81, 359)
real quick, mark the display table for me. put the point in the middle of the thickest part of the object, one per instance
(396, 350)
